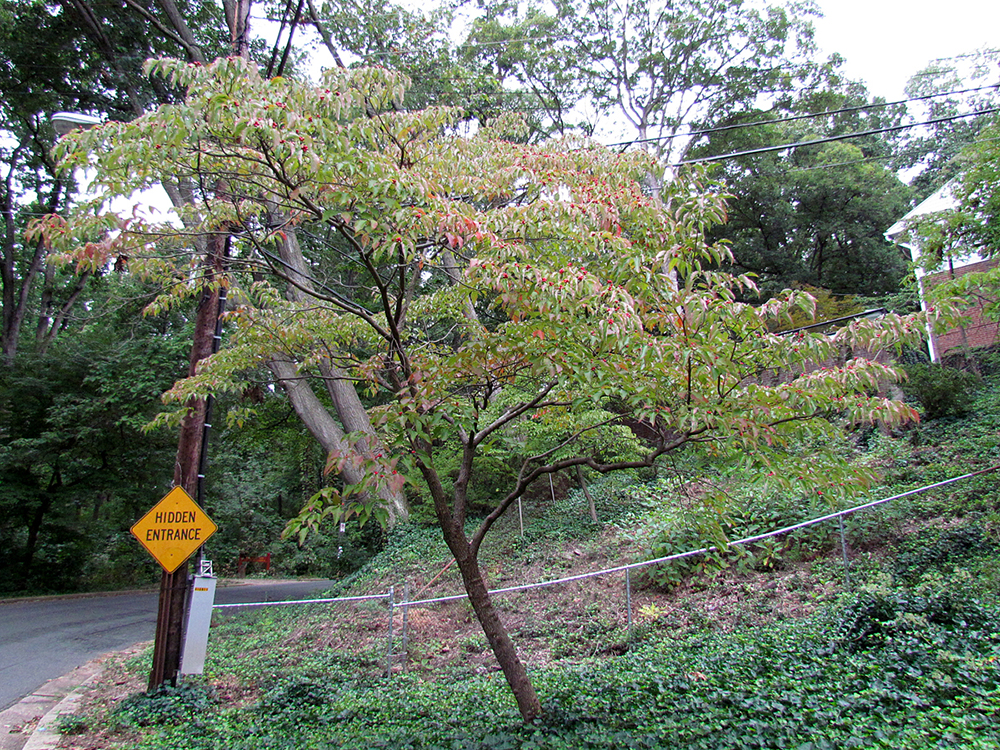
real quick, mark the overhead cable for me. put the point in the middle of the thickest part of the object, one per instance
(807, 116)
(871, 159)
(829, 139)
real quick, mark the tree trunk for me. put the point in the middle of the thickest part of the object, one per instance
(169, 627)
(52, 316)
(99, 498)
(455, 276)
(33, 531)
(328, 432)
(450, 517)
(238, 20)
(503, 648)
(174, 586)
(346, 402)
(308, 407)
(206, 321)
(16, 293)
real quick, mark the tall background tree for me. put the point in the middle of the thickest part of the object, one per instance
(714, 79)
(89, 58)
(75, 465)
(67, 441)
(662, 69)
(77, 56)
(813, 214)
(949, 87)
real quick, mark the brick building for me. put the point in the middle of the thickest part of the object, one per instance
(979, 331)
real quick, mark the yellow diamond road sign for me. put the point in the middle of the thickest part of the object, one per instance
(174, 529)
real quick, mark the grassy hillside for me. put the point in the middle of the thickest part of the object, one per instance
(767, 648)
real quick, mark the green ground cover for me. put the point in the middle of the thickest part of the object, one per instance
(890, 666)
(907, 657)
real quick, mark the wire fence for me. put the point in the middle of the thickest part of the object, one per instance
(405, 604)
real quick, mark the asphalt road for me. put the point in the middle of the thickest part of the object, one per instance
(44, 638)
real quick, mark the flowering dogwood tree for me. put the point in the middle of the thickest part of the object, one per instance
(445, 268)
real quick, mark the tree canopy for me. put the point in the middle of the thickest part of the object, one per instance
(479, 266)
(79, 56)
(949, 88)
(75, 466)
(663, 69)
(978, 191)
(816, 213)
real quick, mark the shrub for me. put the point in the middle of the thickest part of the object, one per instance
(942, 391)
(188, 703)
(941, 549)
(882, 615)
(716, 520)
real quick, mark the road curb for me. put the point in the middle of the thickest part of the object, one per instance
(31, 723)
(46, 735)
(33, 720)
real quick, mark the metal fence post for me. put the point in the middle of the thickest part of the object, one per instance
(628, 601)
(388, 654)
(406, 617)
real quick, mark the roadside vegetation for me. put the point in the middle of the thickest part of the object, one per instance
(757, 649)
(447, 305)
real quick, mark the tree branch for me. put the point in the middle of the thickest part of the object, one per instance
(512, 413)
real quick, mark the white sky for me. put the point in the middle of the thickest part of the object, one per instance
(884, 42)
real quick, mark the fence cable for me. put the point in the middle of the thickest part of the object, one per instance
(840, 514)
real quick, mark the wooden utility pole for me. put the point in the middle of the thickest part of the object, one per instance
(174, 586)
(191, 444)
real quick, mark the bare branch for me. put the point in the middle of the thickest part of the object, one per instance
(567, 463)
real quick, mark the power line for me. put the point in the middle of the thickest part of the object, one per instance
(806, 116)
(871, 159)
(829, 139)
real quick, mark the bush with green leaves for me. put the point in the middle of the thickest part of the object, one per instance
(881, 614)
(406, 545)
(942, 391)
(679, 524)
(940, 548)
(187, 703)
